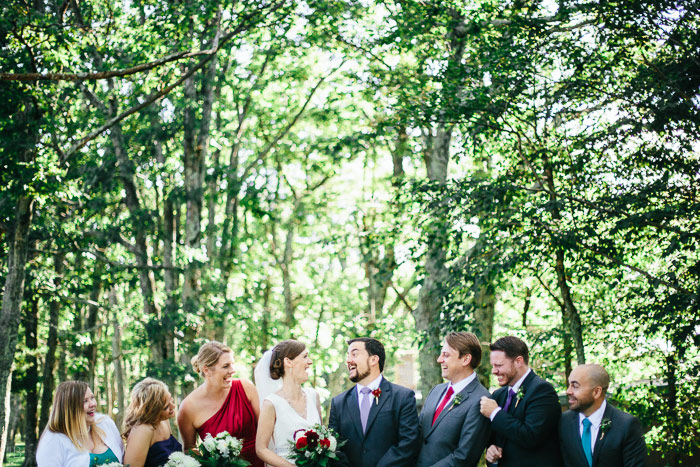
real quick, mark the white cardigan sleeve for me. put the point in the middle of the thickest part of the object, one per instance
(57, 450)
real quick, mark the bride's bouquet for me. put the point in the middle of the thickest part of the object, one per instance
(223, 450)
(314, 447)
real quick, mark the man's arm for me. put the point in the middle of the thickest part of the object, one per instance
(474, 435)
(634, 449)
(541, 419)
(334, 423)
(405, 452)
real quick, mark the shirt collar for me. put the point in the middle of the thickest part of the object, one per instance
(519, 383)
(596, 418)
(460, 385)
(373, 385)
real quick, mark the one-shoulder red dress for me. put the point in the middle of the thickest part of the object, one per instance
(237, 417)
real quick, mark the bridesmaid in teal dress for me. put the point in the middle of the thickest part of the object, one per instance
(149, 441)
(76, 435)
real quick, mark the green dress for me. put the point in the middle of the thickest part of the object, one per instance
(104, 458)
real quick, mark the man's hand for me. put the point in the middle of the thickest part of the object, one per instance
(493, 453)
(487, 406)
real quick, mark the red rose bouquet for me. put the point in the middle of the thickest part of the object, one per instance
(314, 447)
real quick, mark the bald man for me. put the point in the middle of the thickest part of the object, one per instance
(593, 433)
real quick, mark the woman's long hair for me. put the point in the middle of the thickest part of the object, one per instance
(68, 414)
(148, 400)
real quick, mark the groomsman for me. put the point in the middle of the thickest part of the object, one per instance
(453, 432)
(593, 433)
(525, 413)
(378, 419)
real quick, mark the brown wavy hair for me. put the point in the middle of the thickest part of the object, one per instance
(148, 400)
(290, 349)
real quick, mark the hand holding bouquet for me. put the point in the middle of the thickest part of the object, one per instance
(315, 447)
(220, 451)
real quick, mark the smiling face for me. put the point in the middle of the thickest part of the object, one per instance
(221, 374)
(583, 395)
(507, 371)
(168, 411)
(454, 368)
(89, 406)
(298, 367)
(360, 363)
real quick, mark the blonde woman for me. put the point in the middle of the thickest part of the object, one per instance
(222, 403)
(77, 436)
(149, 441)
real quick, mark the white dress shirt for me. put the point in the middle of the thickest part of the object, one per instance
(596, 418)
(457, 388)
(372, 386)
(515, 388)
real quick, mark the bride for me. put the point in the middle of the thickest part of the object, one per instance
(286, 406)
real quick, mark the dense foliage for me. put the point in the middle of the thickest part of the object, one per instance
(249, 171)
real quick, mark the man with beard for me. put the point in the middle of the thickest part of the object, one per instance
(524, 412)
(593, 433)
(378, 419)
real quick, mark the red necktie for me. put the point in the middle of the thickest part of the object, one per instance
(442, 405)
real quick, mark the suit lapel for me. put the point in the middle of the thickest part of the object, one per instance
(600, 439)
(465, 395)
(430, 407)
(575, 434)
(523, 388)
(353, 407)
(377, 404)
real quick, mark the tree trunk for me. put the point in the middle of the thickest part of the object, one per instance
(11, 307)
(572, 315)
(118, 367)
(49, 382)
(31, 379)
(484, 310)
(430, 297)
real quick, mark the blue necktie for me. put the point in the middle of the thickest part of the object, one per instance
(365, 405)
(586, 440)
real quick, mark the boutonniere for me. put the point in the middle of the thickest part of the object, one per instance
(519, 395)
(456, 402)
(376, 393)
(604, 427)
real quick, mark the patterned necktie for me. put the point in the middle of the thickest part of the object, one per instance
(365, 405)
(511, 395)
(442, 405)
(586, 440)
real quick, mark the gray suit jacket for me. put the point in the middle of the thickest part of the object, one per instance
(622, 445)
(460, 433)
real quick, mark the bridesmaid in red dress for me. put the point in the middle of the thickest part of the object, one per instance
(222, 403)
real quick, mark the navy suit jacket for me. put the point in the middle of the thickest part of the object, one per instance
(460, 433)
(528, 432)
(622, 445)
(391, 438)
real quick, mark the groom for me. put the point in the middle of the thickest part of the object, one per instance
(377, 418)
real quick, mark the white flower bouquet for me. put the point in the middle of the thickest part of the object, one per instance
(222, 450)
(180, 459)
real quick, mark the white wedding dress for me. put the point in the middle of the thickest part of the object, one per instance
(288, 421)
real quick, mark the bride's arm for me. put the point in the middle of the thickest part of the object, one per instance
(318, 406)
(266, 426)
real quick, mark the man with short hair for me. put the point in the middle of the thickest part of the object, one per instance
(525, 413)
(378, 419)
(453, 432)
(593, 433)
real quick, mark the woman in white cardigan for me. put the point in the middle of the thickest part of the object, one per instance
(76, 436)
